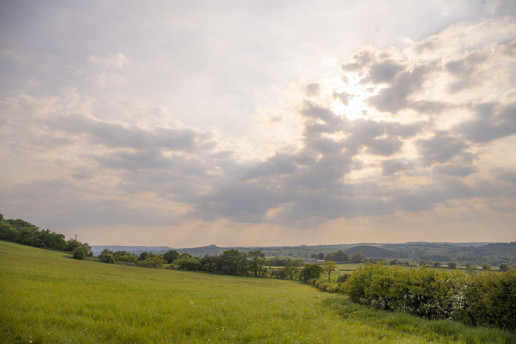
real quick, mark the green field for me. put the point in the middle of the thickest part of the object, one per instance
(46, 297)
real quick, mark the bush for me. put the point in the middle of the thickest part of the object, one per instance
(343, 278)
(107, 256)
(486, 299)
(187, 262)
(151, 261)
(80, 253)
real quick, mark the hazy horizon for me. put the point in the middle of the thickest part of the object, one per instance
(186, 124)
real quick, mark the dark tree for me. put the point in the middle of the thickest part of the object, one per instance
(310, 271)
(170, 256)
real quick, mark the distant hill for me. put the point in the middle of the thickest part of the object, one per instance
(476, 253)
(96, 249)
(372, 252)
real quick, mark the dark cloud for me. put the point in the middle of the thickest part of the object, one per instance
(397, 95)
(385, 147)
(467, 71)
(438, 192)
(384, 72)
(441, 148)
(118, 136)
(491, 122)
(343, 97)
(392, 166)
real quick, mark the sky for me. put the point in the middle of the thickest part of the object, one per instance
(250, 123)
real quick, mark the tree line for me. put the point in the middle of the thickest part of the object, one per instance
(25, 233)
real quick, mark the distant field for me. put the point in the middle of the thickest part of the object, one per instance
(347, 267)
(46, 297)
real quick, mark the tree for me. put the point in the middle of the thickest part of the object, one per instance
(170, 256)
(289, 269)
(107, 256)
(328, 267)
(151, 260)
(187, 262)
(358, 258)
(451, 265)
(310, 271)
(143, 255)
(79, 252)
(486, 267)
(234, 262)
(504, 267)
(257, 260)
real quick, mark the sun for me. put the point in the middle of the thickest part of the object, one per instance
(351, 95)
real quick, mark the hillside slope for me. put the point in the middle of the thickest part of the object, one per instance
(47, 297)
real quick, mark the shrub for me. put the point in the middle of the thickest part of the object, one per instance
(151, 261)
(80, 253)
(187, 262)
(486, 299)
(107, 256)
(343, 278)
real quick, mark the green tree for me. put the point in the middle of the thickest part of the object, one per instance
(170, 256)
(151, 260)
(234, 262)
(187, 262)
(329, 266)
(486, 267)
(256, 262)
(310, 271)
(358, 258)
(107, 256)
(452, 265)
(80, 252)
(290, 269)
(504, 267)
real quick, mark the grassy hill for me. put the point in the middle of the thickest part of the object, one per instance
(46, 297)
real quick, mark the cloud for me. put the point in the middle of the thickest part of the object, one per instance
(396, 132)
(111, 61)
(118, 136)
(491, 121)
(441, 148)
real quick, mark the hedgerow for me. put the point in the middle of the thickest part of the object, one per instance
(484, 299)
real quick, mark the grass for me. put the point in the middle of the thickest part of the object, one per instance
(46, 297)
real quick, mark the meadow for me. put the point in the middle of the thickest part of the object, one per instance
(47, 297)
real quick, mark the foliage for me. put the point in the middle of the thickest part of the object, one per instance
(256, 263)
(124, 256)
(357, 258)
(504, 267)
(80, 252)
(26, 233)
(151, 261)
(487, 299)
(187, 262)
(170, 256)
(310, 271)
(106, 256)
(338, 256)
(343, 278)
(328, 267)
